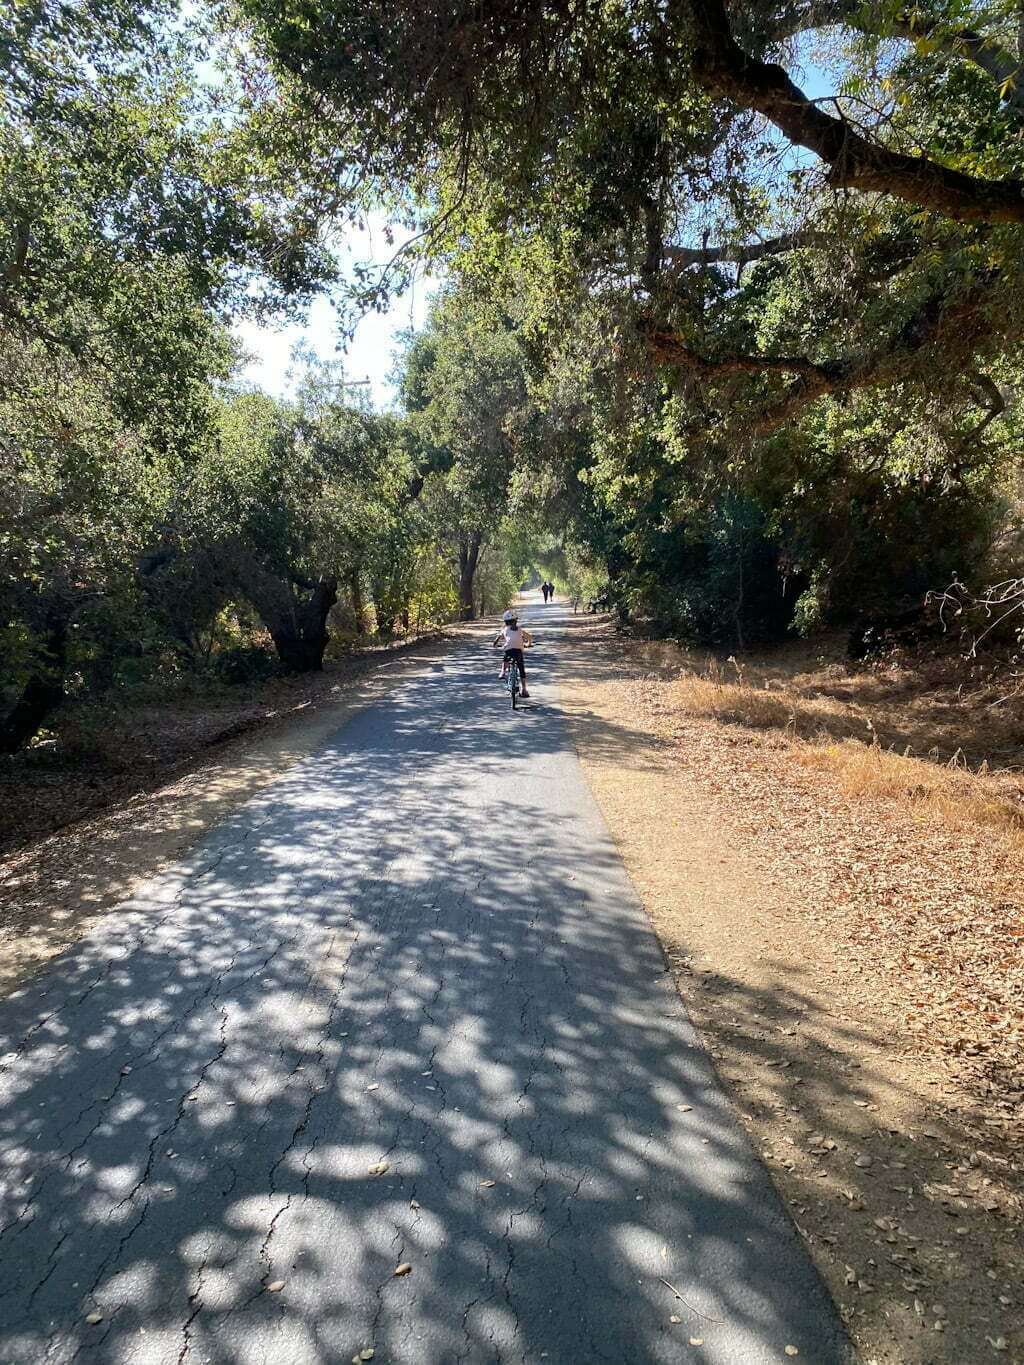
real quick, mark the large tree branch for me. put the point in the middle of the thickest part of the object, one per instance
(956, 325)
(991, 399)
(669, 348)
(964, 44)
(735, 253)
(724, 70)
(17, 265)
(973, 47)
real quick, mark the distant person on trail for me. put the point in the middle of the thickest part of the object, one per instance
(515, 640)
(544, 590)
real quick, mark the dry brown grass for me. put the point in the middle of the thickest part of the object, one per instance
(934, 706)
(948, 793)
(880, 737)
(762, 708)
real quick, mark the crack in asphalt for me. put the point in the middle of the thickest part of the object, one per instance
(195, 1305)
(364, 967)
(66, 1159)
(155, 922)
(314, 1092)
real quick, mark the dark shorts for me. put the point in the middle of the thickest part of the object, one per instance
(516, 654)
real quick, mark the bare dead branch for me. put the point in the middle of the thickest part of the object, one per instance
(996, 604)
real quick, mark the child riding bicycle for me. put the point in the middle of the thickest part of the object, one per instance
(515, 640)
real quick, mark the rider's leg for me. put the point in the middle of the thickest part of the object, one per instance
(522, 670)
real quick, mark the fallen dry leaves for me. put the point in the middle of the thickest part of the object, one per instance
(940, 909)
(854, 958)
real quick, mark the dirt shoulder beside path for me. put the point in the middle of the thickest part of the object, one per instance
(778, 901)
(101, 754)
(53, 890)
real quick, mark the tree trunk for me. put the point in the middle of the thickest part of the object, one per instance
(737, 614)
(300, 636)
(469, 557)
(295, 614)
(293, 608)
(43, 692)
(391, 606)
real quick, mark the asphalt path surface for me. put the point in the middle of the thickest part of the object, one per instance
(402, 1009)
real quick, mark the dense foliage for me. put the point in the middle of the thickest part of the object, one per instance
(154, 522)
(731, 329)
(789, 324)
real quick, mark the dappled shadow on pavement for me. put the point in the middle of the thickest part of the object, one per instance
(53, 889)
(402, 1008)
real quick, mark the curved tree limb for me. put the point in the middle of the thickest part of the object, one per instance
(724, 70)
(965, 44)
(988, 388)
(736, 253)
(991, 400)
(668, 348)
(957, 325)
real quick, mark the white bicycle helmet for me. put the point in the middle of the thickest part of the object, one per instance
(509, 616)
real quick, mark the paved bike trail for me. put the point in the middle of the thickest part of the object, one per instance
(402, 1009)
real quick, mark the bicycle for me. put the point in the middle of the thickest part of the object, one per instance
(512, 682)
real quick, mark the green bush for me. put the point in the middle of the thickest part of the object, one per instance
(243, 665)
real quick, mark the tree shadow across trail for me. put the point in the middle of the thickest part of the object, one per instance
(401, 1009)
